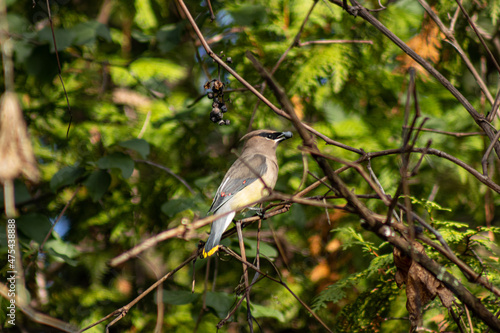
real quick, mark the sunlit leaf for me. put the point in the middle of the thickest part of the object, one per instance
(179, 297)
(97, 184)
(35, 226)
(66, 176)
(220, 302)
(139, 145)
(117, 161)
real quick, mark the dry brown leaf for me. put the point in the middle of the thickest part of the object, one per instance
(298, 106)
(427, 44)
(95, 135)
(421, 286)
(321, 271)
(130, 98)
(16, 152)
(315, 245)
(333, 245)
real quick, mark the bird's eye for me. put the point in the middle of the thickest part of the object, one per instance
(270, 136)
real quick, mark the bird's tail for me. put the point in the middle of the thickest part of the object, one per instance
(218, 228)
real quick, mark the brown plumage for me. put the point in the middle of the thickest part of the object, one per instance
(246, 181)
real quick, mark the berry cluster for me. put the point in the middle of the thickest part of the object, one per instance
(218, 105)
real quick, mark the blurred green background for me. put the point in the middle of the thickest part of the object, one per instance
(134, 81)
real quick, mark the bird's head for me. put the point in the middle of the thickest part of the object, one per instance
(265, 138)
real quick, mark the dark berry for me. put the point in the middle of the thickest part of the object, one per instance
(223, 108)
(210, 95)
(215, 116)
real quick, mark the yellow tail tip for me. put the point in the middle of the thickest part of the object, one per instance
(205, 254)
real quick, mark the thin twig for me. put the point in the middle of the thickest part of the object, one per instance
(34, 315)
(455, 134)
(296, 39)
(478, 34)
(471, 326)
(381, 230)
(245, 274)
(59, 68)
(358, 168)
(375, 178)
(280, 281)
(334, 41)
(169, 171)
(186, 230)
(431, 151)
(450, 35)
(480, 120)
(484, 160)
(494, 108)
(40, 249)
(122, 312)
(281, 58)
(212, 16)
(278, 111)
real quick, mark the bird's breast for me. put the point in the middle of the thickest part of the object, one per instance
(256, 190)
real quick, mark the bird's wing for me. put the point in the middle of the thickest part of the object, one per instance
(240, 175)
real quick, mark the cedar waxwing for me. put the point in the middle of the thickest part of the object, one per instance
(243, 182)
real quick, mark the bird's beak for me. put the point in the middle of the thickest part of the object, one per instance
(284, 135)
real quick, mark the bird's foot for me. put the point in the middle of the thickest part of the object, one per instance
(258, 211)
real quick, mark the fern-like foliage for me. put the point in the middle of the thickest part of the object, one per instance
(337, 291)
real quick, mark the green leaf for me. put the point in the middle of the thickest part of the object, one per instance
(179, 297)
(265, 249)
(62, 250)
(141, 36)
(139, 145)
(220, 302)
(259, 311)
(97, 184)
(175, 206)
(145, 15)
(450, 224)
(3, 240)
(17, 23)
(121, 76)
(87, 32)
(64, 38)
(429, 205)
(248, 14)
(335, 292)
(21, 193)
(66, 176)
(22, 50)
(39, 63)
(35, 226)
(161, 69)
(350, 238)
(169, 36)
(118, 161)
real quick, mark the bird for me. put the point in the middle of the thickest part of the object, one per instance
(247, 180)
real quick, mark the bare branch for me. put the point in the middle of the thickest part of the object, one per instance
(450, 35)
(484, 160)
(333, 41)
(480, 120)
(169, 171)
(250, 87)
(478, 34)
